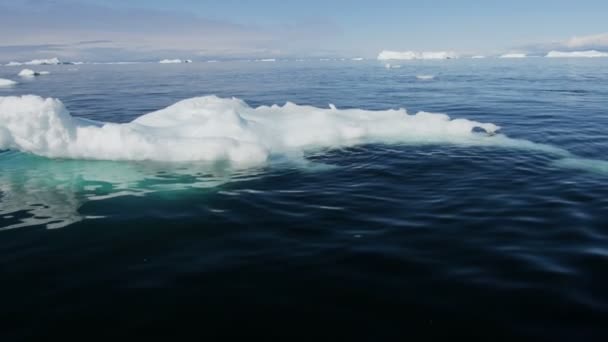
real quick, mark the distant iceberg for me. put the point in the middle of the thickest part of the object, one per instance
(266, 60)
(514, 55)
(32, 73)
(170, 61)
(174, 61)
(357, 59)
(410, 55)
(50, 61)
(6, 83)
(478, 57)
(425, 77)
(390, 66)
(577, 54)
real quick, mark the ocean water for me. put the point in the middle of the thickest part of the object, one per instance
(383, 240)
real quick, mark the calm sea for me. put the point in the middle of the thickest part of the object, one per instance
(376, 242)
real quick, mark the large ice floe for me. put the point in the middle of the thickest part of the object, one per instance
(513, 55)
(174, 61)
(50, 61)
(576, 54)
(227, 130)
(217, 129)
(32, 73)
(6, 83)
(410, 55)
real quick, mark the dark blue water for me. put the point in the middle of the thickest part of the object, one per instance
(376, 242)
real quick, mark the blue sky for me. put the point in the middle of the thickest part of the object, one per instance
(148, 29)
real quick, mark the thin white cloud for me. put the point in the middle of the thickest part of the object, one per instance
(79, 30)
(595, 40)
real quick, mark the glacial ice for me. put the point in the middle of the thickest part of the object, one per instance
(216, 129)
(6, 83)
(577, 54)
(173, 61)
(410, 55)
(514, 55)
(32, 73)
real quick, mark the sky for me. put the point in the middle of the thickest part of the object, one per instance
(106, 30)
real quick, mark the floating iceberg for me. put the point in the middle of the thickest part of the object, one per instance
(478, 57)
(391, 66)
(266, 60)
(514, 55)
(577, 54)
(170, 61)
(6, 83)
(410, 55)
(32, 73)
(51, 61)
(357, 59)
(425, 77)
(215, 129)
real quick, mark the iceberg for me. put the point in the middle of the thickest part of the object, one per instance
(514, 55)
(577, 54)
(478, 57)
(391, 66)
(410, 55)
(6, 83)
(173, 61)
(32, 73)
(266, 60)
(213, 129)
(357, 59)
(425, 77)
(51, 61)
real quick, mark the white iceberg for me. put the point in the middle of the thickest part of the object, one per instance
(267, 60)
(577, 54)
(411, 55)
(6, 83)
(513, 55)
(50, 61)
(215, 129)
(425, 77)
(478, 57)
(32, 73)
(356, 59)
(170, 61)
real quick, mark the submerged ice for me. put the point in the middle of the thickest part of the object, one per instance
(214, 129)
